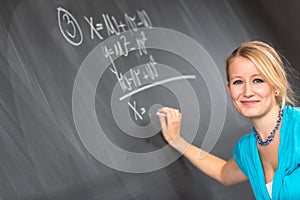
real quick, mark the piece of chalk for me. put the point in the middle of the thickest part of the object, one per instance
(161, 114)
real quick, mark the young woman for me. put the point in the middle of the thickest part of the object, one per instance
(269, 156)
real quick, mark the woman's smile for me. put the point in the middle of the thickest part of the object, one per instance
(249, 102)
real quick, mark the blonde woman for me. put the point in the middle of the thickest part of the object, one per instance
(269, 156)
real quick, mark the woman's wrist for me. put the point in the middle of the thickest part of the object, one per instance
(180, 144)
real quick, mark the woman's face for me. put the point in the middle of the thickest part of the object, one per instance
(251, 95)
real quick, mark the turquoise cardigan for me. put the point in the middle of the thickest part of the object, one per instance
(286, 181)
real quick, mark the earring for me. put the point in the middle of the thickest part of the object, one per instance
(276, 93)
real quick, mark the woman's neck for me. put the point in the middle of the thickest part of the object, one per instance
(266, 123)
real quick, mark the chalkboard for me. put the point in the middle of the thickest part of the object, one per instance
(80, 85)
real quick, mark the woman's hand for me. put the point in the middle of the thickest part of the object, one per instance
(170, 124)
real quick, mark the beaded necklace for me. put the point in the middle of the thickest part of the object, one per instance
(272, 133)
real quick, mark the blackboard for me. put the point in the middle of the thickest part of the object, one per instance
(80, 85)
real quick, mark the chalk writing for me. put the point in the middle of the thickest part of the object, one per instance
(155, 84)
(112, 26)
(122, 47)
(144, 21)
(69, 27)
(151, 71)
(94, 29)
(137, 113)
(106, 24)
(141, 44)
(134, 80)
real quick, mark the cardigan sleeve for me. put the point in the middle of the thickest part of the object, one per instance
(239, 153)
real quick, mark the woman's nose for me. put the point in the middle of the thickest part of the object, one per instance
(248, 90)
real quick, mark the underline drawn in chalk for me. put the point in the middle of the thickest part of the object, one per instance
(176, 78)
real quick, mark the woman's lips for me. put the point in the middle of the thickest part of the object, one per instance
(249, 102)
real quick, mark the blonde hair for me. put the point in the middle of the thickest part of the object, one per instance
(270, 66)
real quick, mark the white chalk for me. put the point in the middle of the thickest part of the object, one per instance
(161, 114)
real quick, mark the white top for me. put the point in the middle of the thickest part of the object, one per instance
(269, 188)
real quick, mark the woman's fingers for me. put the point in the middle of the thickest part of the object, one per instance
(163, 123)
(171, 113)
(170, 123)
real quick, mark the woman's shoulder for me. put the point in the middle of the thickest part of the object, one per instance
(291, 124)
(293, 113)
(244, 143)
(292, 110)
(246, 138)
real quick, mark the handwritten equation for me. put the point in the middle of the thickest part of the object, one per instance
(71, 30)
(135, 79)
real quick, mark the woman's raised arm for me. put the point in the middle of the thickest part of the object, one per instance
(226, 172)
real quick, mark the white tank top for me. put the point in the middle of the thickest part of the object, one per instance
(269, 188)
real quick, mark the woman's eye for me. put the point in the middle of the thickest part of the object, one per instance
(258, 80)
(237, 82)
